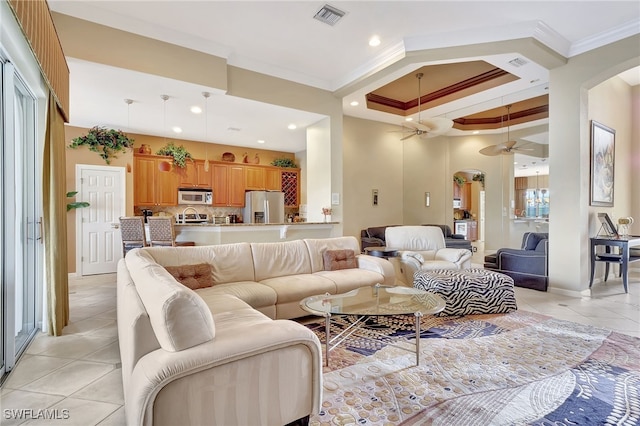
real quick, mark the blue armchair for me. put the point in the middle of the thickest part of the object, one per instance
(528, 266)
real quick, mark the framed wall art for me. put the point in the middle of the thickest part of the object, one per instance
(602, 164)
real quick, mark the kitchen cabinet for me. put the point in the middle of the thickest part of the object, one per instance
(254, 178)
(472, 230)
(463, 192)
(155, 182)
(273, 179)
(228, 184)
(194, 175)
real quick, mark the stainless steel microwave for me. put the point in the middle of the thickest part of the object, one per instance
(195, 196)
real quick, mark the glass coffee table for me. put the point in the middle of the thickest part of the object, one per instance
(366, 302)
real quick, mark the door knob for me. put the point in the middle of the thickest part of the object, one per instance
(115, 225)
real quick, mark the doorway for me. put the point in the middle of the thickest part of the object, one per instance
(468, 204)
(98, 238)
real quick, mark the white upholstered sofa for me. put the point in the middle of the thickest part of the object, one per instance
(422, 248)
(226, 354)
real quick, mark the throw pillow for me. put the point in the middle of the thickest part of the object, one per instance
(192, 276)
(339, 259)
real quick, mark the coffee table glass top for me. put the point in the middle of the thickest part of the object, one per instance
(376, 300)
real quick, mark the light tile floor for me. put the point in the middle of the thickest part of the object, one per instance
(80, 371)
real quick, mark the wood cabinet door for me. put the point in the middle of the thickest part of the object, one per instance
(166, 187)
(220, 184)
(144, 186)
(236, 186)
(203, 178)
(188, 175)
(472, 230)
(465, 196)
(254, 178)
(273, 180)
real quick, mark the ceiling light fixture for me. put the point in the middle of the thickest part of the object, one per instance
(354, 103)
(260, 141)
(164, 166)
(196, 109)
(206, 128)
(292, 126)
(374, 41)
(176, 129)
(128, 102)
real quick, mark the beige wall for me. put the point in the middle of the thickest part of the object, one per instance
(634, 184)
(373, 158)
(572, 221)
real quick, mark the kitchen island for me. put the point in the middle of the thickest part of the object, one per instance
(210, 234)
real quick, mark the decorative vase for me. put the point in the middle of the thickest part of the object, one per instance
(145, 149)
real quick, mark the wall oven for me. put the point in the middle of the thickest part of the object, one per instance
(195, 196)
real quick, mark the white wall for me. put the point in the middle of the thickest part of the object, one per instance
(319, 167)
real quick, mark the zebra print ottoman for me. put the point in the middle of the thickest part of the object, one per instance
(469, 291)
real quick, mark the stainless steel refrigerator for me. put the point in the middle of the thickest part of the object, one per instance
(264, 207)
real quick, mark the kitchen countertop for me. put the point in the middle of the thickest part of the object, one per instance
(257, 224)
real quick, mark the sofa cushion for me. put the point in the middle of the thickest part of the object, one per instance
(317, 247)
(255, 294)
(294, 288)
(349, 279)
(179, 317)
(279, 259)
(192, 276)
(339, 259)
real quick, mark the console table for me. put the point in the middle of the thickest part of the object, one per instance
(621, 256)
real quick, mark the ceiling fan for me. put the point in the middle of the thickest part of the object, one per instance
(508, 147)
(425, 128)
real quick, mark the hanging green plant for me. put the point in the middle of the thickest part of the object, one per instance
(460, 180)
(284, 162)
(478, 177)
(106, 142)
(75, 204)
(179, 153)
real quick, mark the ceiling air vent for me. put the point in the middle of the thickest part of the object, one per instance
(329, 15)
(518, 62)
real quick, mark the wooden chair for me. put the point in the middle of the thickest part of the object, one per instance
(132, 232)
(162, 232)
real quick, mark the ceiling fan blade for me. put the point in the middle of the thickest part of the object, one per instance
(437, 125)
(492, 150)
(409, 136)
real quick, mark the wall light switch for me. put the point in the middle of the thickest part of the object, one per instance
(335, 199)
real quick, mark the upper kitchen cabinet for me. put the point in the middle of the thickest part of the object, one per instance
(195, 175)
(156, 183)
(254, 178)
(228, 184)
(273, 179)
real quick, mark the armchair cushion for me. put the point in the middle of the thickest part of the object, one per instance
(531, 240)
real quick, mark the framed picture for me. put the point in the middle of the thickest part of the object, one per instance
(608, 225)
(602, 164)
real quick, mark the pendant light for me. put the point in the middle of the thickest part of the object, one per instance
(206, 128)
(164, 166)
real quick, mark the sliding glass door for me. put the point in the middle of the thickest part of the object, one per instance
(20, 231)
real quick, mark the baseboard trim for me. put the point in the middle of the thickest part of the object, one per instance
(570, 293)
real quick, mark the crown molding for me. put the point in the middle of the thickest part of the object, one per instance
(623, 31)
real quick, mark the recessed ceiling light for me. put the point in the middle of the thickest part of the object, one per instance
(475, 132)
(196, 109)
(374, 41)
(354, 103)
(176, 129)
(260, 141)
(292, 126)
(408, 119)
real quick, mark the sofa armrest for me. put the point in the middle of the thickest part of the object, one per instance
(524, 261)
(290, 353)
(379, 265)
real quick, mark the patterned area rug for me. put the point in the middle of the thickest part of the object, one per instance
(519, 368)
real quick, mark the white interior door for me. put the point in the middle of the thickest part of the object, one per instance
(98, 239)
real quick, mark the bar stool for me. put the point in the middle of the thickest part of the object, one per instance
(132, 233)
(162, 232)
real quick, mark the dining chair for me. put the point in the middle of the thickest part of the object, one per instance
(162, 232)
(132, 233)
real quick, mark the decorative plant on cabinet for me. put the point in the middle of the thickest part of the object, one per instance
(106, 142)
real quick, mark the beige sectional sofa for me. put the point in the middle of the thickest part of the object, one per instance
(227, 354)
